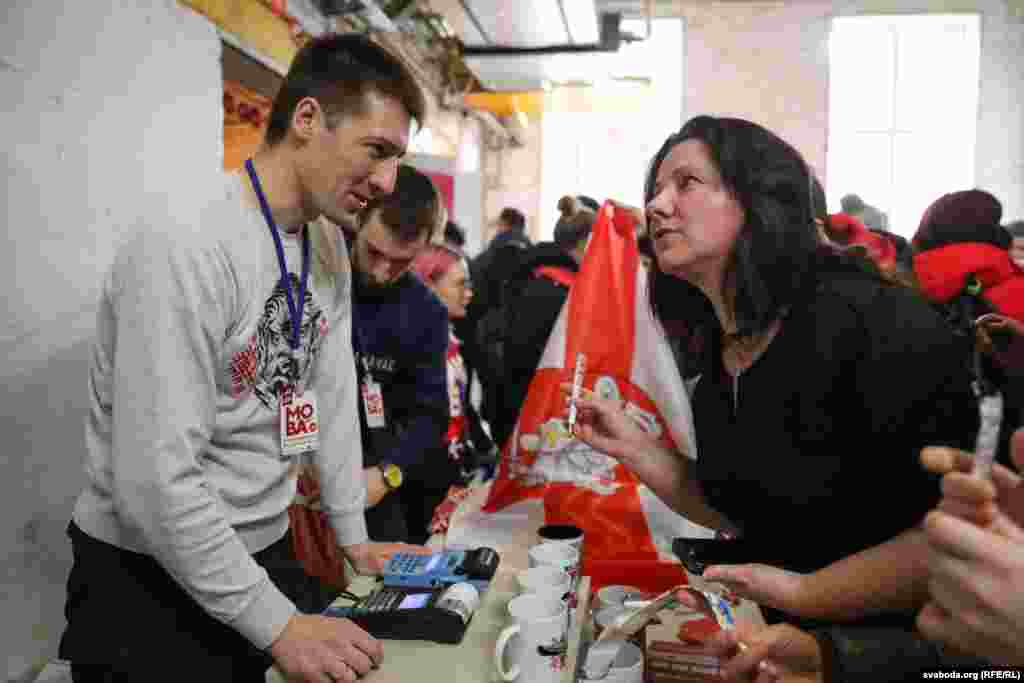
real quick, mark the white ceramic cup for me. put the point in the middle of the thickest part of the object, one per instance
(606, 616)
(544, 579)
(627, 667)
(616, 595)
(556, 554)
(562, 533)
(538, 630)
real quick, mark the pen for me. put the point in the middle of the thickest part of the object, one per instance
(577, 386)
(990, 409)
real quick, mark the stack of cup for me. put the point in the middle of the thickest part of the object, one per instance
(545, 580)
(560, 545)
(565, 535)
(535, 642)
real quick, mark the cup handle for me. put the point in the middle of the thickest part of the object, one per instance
(499, 653)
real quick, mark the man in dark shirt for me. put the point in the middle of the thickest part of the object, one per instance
(400, 336)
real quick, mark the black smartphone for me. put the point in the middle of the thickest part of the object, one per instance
(697, 554)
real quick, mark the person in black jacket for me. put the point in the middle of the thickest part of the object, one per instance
(819, 384)
(489, 272)
(534, 297)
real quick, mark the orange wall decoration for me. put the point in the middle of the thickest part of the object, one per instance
(245, 120)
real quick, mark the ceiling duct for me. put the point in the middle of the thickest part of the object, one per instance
(610, 38)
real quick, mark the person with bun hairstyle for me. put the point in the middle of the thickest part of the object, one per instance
(534, 296)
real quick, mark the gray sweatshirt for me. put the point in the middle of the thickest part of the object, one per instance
(184, 456)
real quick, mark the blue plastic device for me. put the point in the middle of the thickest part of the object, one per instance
(440, 570)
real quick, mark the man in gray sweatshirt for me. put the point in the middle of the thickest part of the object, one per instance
(222, 362)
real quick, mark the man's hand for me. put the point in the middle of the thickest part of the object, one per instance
(997, 504)
(315, 649)
(370, 558)
(376, 488)
(773, 653)
(976, 589)
(761, 583)
(976, 538)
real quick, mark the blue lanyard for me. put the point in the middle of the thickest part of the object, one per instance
(294, 310)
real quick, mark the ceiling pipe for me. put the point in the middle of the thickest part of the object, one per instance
(611, 39)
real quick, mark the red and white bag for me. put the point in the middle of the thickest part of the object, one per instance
(608, 319)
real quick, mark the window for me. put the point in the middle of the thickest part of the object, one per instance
(605, 153)
(903, 101)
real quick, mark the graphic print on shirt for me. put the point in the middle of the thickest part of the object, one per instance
(268, 363)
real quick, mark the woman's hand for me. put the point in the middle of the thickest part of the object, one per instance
(602, 424)
(767, 586)
(1003, 339)
(774, 653)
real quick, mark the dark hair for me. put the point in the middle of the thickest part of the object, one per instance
(778, 241)
(574, 225)
(1015, 228)
(513, 218)
(453, 234)
(645, 246)
(411, 210)
(819, 201)
(588, 202)
(338, 70)
(851, 203)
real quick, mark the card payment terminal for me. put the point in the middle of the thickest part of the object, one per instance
(425, 597)
(443, 569)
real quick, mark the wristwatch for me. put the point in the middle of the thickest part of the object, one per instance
(392, 474)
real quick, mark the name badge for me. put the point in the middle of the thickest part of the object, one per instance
(300, 423)
(373, 402)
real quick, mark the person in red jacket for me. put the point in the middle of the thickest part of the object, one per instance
(963, 266)
(961, 249)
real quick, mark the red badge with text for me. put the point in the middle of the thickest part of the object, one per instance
(300, 423)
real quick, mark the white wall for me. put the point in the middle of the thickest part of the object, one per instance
(112, 118)
(467, 193)
(768, 61)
